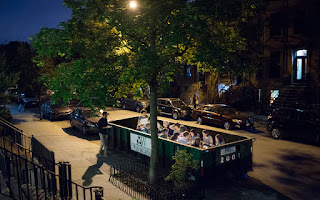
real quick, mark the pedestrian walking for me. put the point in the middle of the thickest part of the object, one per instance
(195, 100)
(103, 133)
(21, 105)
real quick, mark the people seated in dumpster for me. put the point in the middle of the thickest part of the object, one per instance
(167, 126)
(185, 138)
(146, 128)
(174, 137)
(194, 135)
(197, 142)
(164, 134)
(182, 129)
(207, 139)
(144, 118)
(140, 127)
(219, 140)
(176, 128)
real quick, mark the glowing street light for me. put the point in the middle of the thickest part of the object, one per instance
(133, 4)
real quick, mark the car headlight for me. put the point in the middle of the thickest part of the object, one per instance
(238, 121)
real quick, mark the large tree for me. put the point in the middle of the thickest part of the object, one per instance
(109, 47)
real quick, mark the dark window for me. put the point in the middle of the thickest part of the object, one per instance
(274, 70)
(275, 24)
(299, 23)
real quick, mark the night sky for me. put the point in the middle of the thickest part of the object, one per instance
(20, 19)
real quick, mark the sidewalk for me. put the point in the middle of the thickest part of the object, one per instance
(88, 168)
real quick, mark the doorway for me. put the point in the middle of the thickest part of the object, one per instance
(300, 64)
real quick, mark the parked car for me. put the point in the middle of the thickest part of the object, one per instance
(28, 100)
(55, 111)
(74, 104)
(221, 115)
(174, 107)
(295, 123)
(135, 104)
(5, 113)
(85, 120)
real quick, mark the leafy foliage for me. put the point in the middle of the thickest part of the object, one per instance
(182, 167)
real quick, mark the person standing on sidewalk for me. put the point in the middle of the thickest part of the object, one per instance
(103, 133)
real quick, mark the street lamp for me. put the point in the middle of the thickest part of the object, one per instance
(133, 4)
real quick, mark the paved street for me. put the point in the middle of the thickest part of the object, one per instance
(291, 168)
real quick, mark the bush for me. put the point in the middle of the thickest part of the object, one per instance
(182, 168)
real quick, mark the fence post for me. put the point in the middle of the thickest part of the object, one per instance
(98, 193)
(65, 180)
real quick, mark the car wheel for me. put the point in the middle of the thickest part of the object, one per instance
(276, 133)
(124, 106)
(227, 126)
(71, 124)
(175, 116)
(84, 130)
(199, 120)
(138, 109)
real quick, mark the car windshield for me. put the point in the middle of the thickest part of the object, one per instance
(227, 110)
(178, 103)
(89, 113)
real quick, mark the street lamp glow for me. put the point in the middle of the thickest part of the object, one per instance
(133, 4)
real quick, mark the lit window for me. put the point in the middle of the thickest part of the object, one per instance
(302, 52)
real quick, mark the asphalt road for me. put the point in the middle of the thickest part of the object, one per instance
(292, 168)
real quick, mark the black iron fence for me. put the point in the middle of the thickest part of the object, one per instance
(124, 176)
(9, 130)
(33, 181)
(43, 154)
(16, 139)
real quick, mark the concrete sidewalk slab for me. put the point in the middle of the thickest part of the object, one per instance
(80, 152)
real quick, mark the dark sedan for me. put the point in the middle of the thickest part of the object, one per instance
(221, 115)
(85, 120)
(295, 123)
(174, 107)
(55, 111)
(135, 104)
(29, 100)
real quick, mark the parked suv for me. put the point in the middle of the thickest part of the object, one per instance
(295, 123)
(174, 107)
(135, 104)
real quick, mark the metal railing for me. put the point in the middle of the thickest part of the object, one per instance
(13, 139)
(36, 182)
(121, 177)
(16, 135)
(43, 154)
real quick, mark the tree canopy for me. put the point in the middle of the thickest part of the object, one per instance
(108, 49)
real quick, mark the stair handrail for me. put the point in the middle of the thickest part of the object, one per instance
(13, 161)
(11, 126)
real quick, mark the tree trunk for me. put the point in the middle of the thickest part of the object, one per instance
(154, 134)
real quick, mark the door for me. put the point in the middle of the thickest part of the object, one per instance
(78, 119)
(207, 114)
(300, 67)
